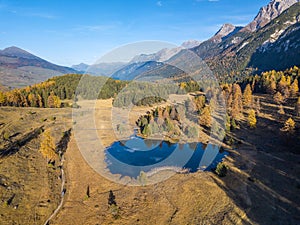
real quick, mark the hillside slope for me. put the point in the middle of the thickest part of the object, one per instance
(19, 68)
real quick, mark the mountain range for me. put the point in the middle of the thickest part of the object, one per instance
(20, 68)
(270, 41)
(109, 69)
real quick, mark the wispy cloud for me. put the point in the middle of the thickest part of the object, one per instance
(41, 15)
(159, 4)
(95, 28)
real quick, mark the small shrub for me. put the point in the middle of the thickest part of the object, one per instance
(115, 211)
(6, 136)
(53, 118)
(221, 169)
(234, 124)
(192, 132)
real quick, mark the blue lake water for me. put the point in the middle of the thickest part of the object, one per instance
(129, 157)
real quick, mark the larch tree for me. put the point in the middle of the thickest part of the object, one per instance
(272, 87)
(199, 102)
(47, 147)
(32, 100)
(294, 88)
(289, 126)
(288, 81)
(278, 98)
(229, 101)
(53, 101)
(282, 84)
(252, 119)
(237, 103)
(247, 96)
(39, 101)
(205, 117)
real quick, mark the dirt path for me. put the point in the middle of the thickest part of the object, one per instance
(63, 181)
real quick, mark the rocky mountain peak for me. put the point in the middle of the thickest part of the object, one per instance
(269, 12)
(190, 44)
(225, 30)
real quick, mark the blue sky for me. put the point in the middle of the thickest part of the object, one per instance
(69, 32)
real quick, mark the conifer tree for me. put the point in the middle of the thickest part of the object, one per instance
(47, 147)
(252, 119)
(294, 88)
(289, 126)
(147, 131)
(229, 101)
(32, 100)
(272, 87)
(39, 101)
(53, 101)
(205, 117)
(237, 103)
(278, 98)
(247, 96)
(282, 84)
(288, 81)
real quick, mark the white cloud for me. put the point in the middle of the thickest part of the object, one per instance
(94, 28)
(41, 15)
(159, 3)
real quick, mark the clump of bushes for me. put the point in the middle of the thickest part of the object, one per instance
(221, 169)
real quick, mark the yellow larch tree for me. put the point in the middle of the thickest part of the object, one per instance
(247, 96)
(294, 88)
(252, 119)
(47, 147)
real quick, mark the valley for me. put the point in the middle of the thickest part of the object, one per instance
(257, 171)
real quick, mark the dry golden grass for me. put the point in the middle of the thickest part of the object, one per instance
(25, 174)
(198, 198)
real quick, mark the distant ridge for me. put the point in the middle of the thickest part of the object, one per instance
(238, 51)
(20, 68)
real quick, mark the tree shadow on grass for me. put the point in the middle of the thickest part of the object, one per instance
(265, 179)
